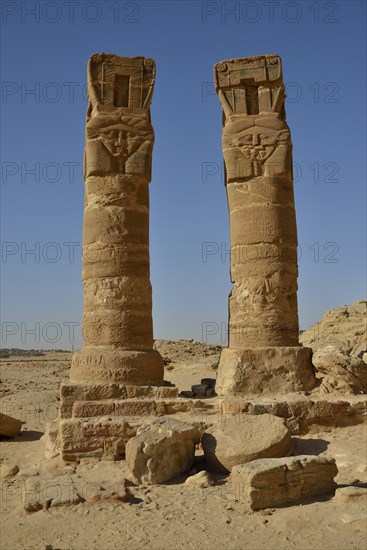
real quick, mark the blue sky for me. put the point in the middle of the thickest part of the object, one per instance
(45, 48)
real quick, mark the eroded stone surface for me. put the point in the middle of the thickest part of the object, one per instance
(342, 372)
(272, 482)
(162, 450)
(240, 439)
(344, 327)
(117, 315)
(103, 438)
(257, 152)
(264, 371)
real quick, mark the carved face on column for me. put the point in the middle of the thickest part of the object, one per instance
(256, 145)
(118, 145)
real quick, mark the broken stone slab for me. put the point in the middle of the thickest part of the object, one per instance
(9, 426)
(238, 440)
(162, 450)
(266, 483)
(342, 371)
(44, 492)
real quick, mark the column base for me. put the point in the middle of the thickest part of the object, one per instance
(108, 365)
(265, 371)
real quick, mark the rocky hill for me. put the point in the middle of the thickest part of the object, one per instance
(345, 327)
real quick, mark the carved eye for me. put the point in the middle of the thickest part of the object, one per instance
(109, 134)
(246, 139)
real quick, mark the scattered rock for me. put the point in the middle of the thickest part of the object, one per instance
(201, 479)
(266, 483)
(29, 471)
(362, 468)
(342, 372)
(43, 493)
(8, 470)
(9, 426)
(106, 491)
(348, 495)
(241, 439)
(161, 450)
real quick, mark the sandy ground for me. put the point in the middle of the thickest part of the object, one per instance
(170, 516)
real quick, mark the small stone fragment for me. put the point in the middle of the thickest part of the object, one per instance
(8, 470)
(9, 426)
(201, 479)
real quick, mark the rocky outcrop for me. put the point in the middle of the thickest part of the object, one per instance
(341, 371)
(344, 327)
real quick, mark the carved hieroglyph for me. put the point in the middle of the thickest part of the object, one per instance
(117, 316)
(257, 152)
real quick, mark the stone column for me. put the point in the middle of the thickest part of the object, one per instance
(263, 354)
(117, 317)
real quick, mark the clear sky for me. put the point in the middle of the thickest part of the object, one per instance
(45, 48)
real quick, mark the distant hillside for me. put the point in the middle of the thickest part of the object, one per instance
(17, 352)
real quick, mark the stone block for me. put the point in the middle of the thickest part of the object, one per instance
(161, 450)
(265, 371)
(268, 483)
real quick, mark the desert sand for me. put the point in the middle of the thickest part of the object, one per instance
(171, 515)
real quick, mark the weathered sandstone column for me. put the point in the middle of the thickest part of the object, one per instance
(263, 354)
(117, 317)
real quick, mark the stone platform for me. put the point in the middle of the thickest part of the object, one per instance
(96, 421)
